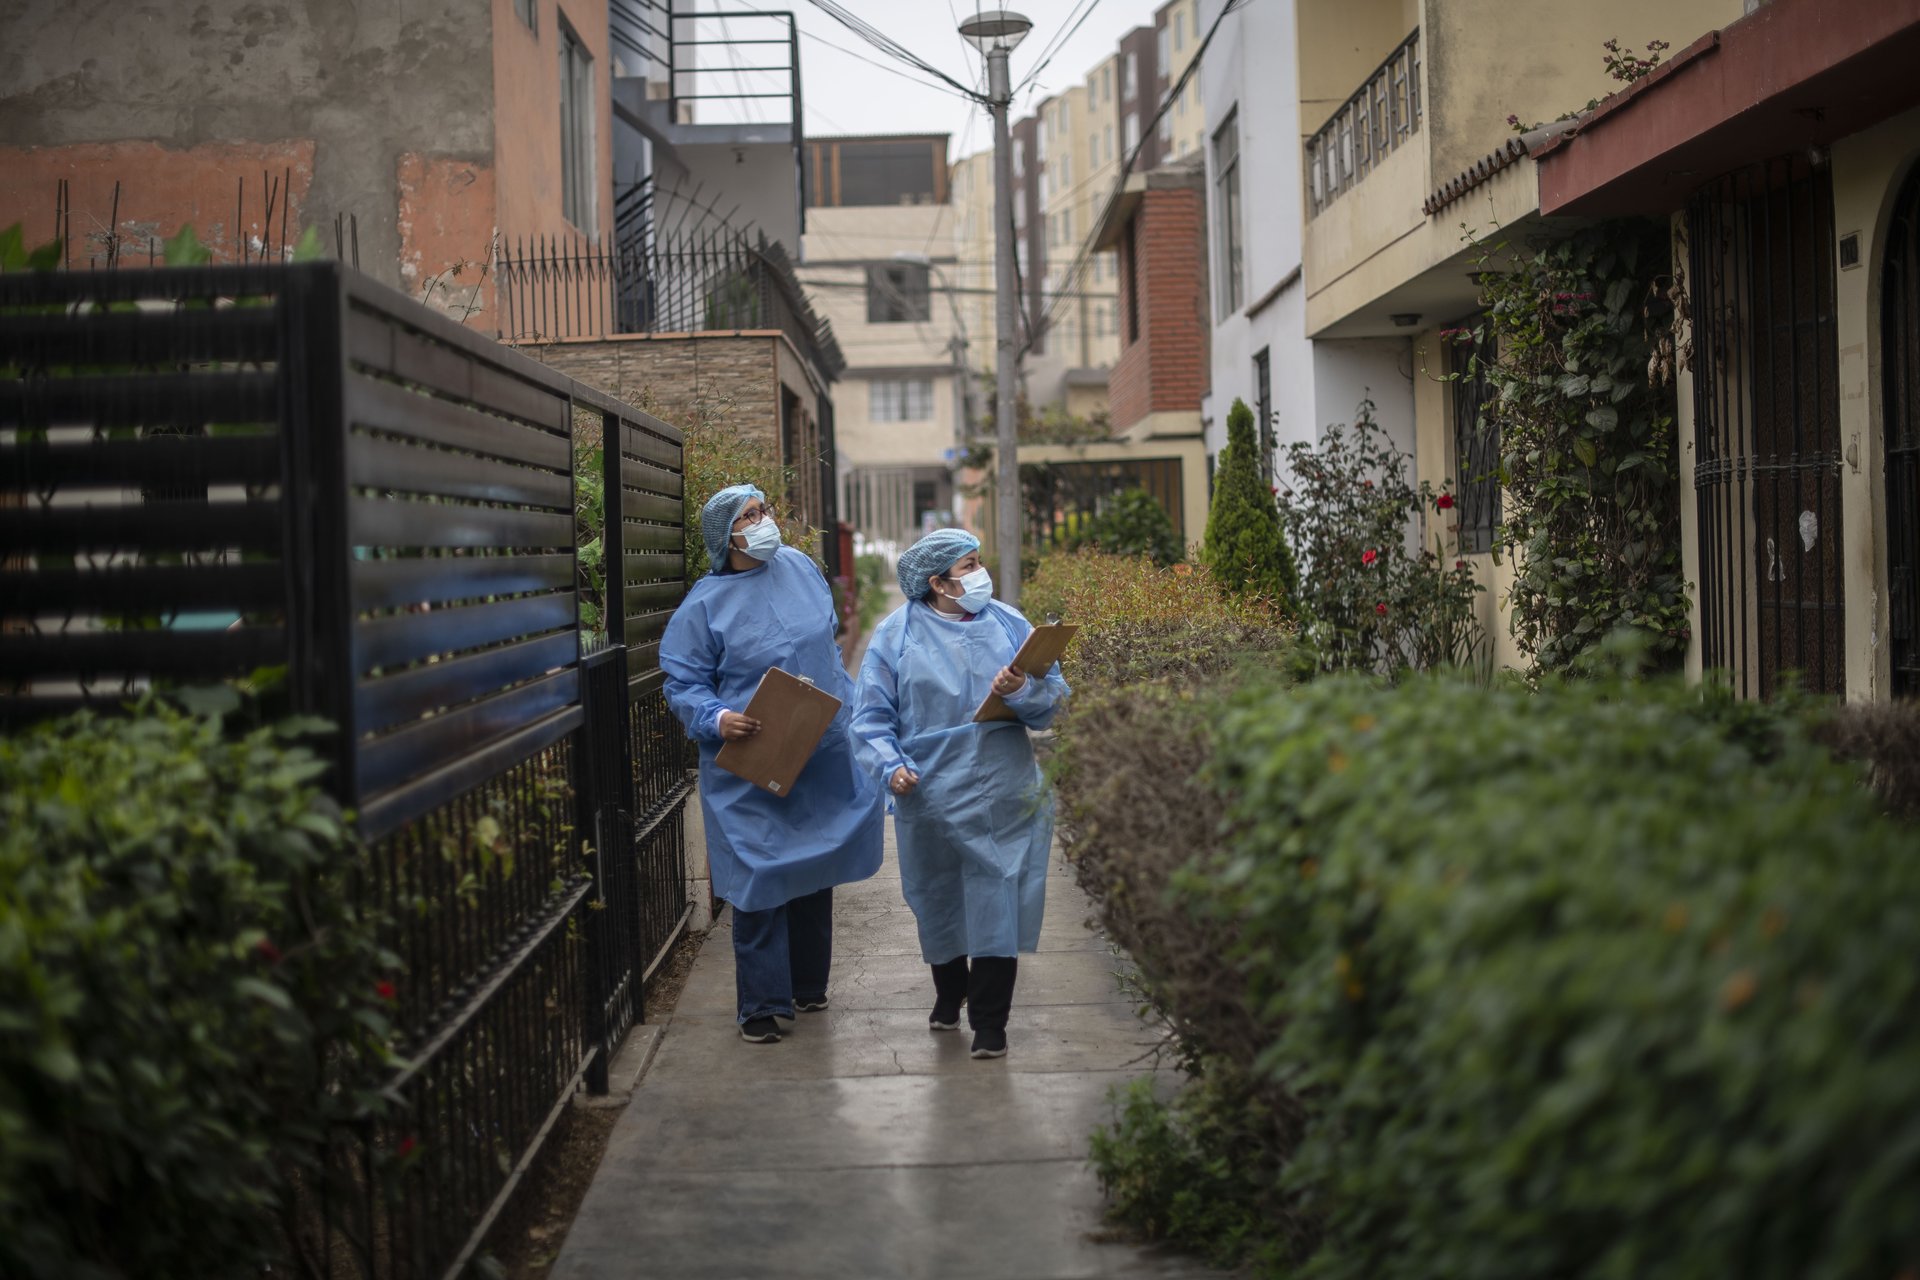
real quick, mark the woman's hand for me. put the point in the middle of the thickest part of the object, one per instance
(1010, 680)
(903, 781)
(734, 726)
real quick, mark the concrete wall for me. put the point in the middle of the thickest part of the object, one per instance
(759, 178)
(527, 118)
(182, 103)
(1342, 41)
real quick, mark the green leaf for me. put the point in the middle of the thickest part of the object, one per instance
(1603, 417)
(13, 249)
(309, 247)
(185, 250)
(266, 992)
(1584, 449)
(47, 257)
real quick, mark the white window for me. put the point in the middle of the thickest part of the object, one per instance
(1020, 256)
(1019, 208)
(1040, 138)
(578, 201)
(1165, 51)
(528, 11)
(1066, 225)
(1106, 83)
(1019, 157)
(1066, 171)
(1133, 135)
(1226, 186)
(1166, 128)
(1179, 29)
(1093, 148)
(1109, 144)
(1044, 175)
(900, 400)
(1130, 82)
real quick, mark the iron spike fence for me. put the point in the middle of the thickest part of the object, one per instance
(205, 472)
(709, 279)
(1767, 428)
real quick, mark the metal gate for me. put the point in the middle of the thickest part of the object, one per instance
(1767, 428)
(1900, 367)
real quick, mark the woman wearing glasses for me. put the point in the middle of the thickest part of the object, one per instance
(774, 859)
(973, 815)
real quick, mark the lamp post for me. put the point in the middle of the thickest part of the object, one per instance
(995, 33)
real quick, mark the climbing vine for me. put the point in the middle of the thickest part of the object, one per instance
(1584, 403)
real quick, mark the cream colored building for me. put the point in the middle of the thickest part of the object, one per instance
(877, 266)
(1408, 157)
(1183, 129)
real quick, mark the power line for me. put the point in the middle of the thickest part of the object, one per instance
(1059, 42)
(881, 66)
(888, 45)
(1080, 261)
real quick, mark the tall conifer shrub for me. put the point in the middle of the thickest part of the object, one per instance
(1244, 546)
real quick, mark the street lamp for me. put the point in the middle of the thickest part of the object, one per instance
(995, 33)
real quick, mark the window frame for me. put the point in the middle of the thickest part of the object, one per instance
(579, 143)
(1229, 229)
(899, 293)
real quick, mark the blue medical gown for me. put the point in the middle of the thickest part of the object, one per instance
(765, 850)
(974, 834)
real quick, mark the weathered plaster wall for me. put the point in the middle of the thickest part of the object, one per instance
(526, 123)
(217, 90)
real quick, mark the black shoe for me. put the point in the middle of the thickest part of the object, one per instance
(762, 1030)
(945, 1017)
(989, 1044)
(816, 1005)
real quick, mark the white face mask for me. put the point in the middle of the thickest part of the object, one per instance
(976, 589)
(763, 538)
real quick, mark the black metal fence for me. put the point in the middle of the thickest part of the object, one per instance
(1062, 498)
(1900, 373)
(206, 473)
(1767, 428)
(712, 280)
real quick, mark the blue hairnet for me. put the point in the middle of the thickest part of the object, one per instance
(717, 517)
(933, 554)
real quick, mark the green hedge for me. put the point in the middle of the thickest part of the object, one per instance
(188, 997)
(1604, 980)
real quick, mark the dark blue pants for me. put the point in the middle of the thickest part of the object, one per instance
(782, 954)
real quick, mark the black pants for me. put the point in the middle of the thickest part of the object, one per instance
(987, 988)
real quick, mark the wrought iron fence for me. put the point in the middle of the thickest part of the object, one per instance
(713, 280)
(1900, 371)
(1383, 112)
(1767, 428)
(206, 472)
(1062, 498)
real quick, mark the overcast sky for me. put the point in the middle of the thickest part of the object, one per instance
(842, 94)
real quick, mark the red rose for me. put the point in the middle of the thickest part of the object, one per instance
(1369, 556)
(405, 1149)
(1444, 502)
(1381, 608)
(385, 990)
(1459, 564)
(267, 951)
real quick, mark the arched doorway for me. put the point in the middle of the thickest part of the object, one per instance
(1900, 370)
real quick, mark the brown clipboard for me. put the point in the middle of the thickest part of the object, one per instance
(1038, 652)
(793, 715)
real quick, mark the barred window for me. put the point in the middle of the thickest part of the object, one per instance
(1476, 443)
(900, 400)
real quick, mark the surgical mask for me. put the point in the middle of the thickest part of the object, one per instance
(763, 538)
(976, 589)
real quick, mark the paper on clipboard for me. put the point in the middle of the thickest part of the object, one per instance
(793, 716)
(1041, 649)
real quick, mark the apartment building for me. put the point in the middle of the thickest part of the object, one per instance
(878, 262)
(1182, 129)
(1402, 109)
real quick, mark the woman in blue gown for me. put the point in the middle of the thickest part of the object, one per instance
(774, 859)
(973, 814)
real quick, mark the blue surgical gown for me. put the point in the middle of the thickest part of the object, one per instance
(764, 850)
(974, 834)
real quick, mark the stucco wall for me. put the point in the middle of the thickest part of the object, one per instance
(526, 129)
(214, 92)
(1347, 39)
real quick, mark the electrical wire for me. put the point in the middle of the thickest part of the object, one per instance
(1077, 269)
(1059, 42)
(889, 46)
(892, 71)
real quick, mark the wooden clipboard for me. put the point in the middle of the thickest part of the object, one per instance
(1041, 649)
(793, 715)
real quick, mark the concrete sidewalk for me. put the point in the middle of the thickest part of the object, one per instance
(864, 1145)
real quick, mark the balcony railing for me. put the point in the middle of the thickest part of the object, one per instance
(1383, 112)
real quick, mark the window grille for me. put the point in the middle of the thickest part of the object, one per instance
(900, 400)
(1476, 443)
(1900, 372)
(1767, 428)
(1263, 409)
(1383, 113)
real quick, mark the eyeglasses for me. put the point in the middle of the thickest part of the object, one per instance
(752, 516)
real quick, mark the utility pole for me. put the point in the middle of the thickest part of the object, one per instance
(995, 34)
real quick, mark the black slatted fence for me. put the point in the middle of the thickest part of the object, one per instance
(218, 472)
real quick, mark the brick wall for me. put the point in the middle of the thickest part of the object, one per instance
(1167, 369)
(725, 380)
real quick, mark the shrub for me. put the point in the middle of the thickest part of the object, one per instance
(1132, 523)
(1244, 545)
(1139, 622)
(1600, 981)
(1582, 328)
(189, 997)
(873, 576)
(1367, 602)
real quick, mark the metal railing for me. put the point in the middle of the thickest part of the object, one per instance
(208, 471)
(715, 280)
(1383, 112)
(1767, 428)
(1900, 374)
